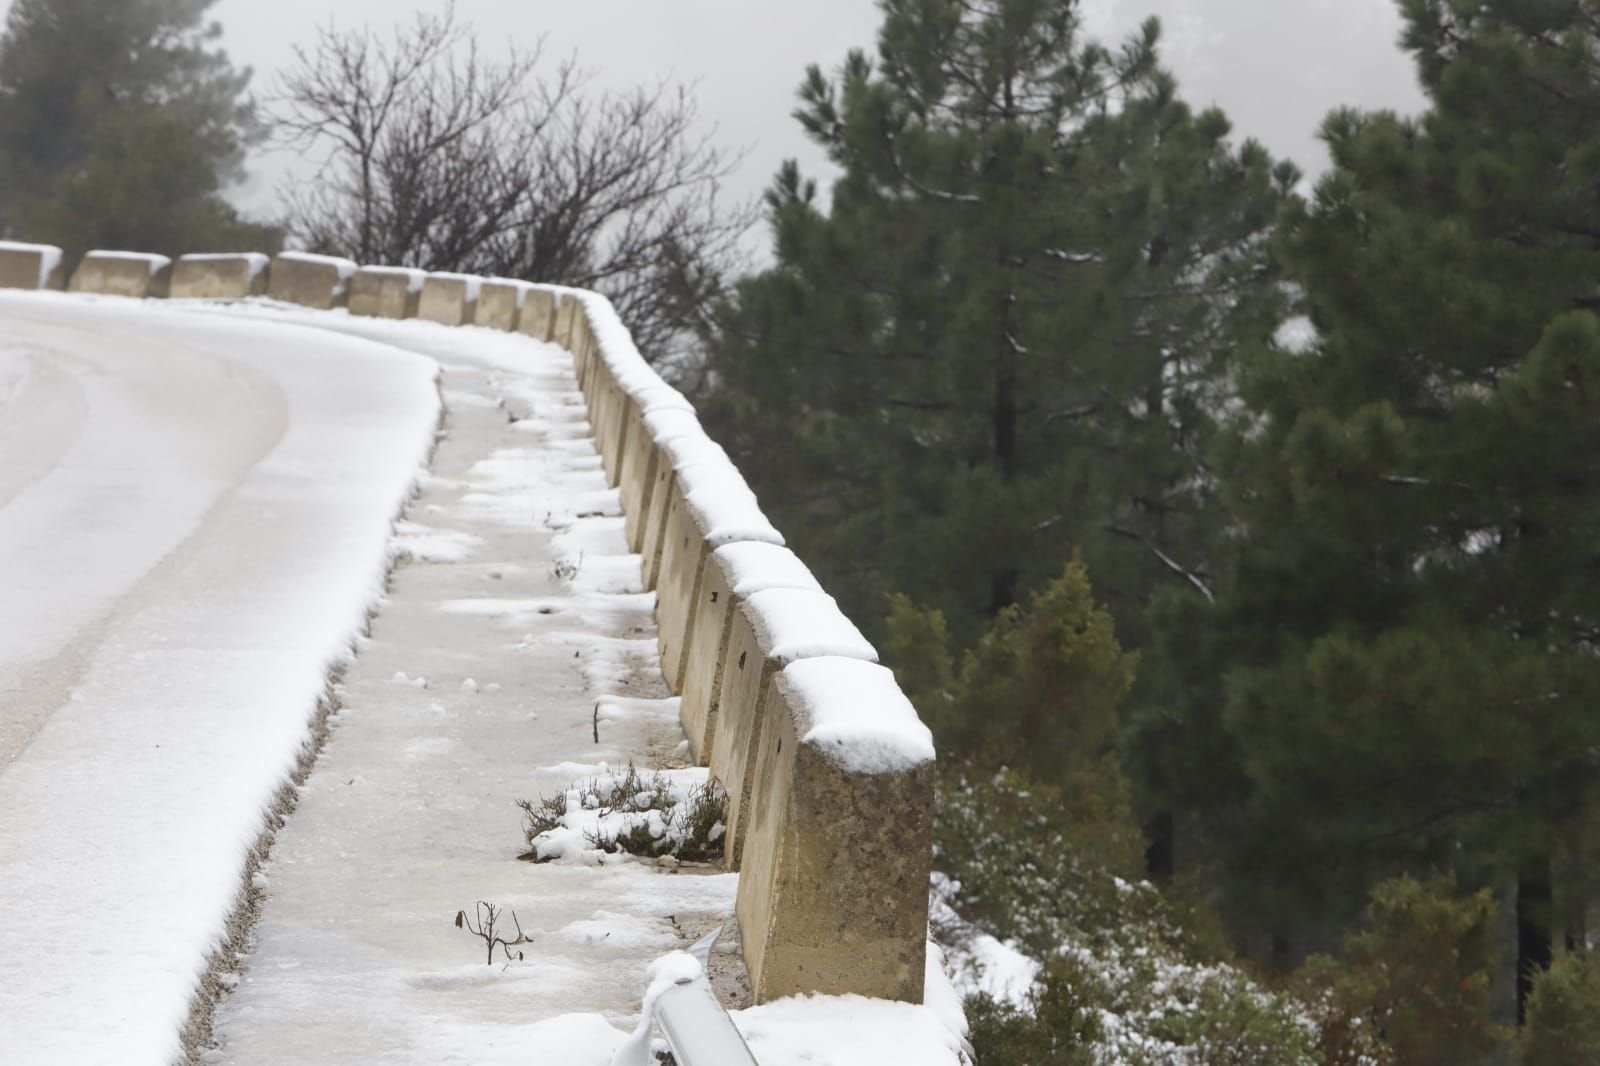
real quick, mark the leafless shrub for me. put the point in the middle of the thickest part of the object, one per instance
(433, 156)
(483, 924)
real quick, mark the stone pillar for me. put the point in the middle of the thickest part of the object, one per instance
(132, 274)
(500, 303)
(449, 299)
(220, 277)
(833, 895)
(31, 266)
(385, 292)
(538, 314)
(316, 281)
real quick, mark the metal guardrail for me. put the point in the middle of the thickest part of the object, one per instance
(696, 1026)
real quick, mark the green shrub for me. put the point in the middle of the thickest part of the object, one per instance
(1563, 1022)
(1418, 977)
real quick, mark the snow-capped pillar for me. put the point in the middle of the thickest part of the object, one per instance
(833, 893)
(450, 299)
(772, 629)
(133, 274)
(538, 314)
(566, 312)
(733, 574)
(30, 266)
(500, 303)
(385, 292)
(644, 454)
(317, 281)
(717, 508)
(220, 277)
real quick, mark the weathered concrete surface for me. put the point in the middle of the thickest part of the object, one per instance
(449, 299)
(220, 277)
(316, 281)
(833, 890)
(500, 302)
(568, 311)
(538, 314)
(771, 629)
(733, 574)
(130, 274)
(385, 292)
(640, 469)
(31, 266)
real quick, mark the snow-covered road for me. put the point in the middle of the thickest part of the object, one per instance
(194, 512)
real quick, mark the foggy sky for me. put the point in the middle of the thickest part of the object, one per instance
(1275, 66)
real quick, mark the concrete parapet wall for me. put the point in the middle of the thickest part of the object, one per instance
(385, 292)
(449, 299)
(220, 277)
(500, 303)
(733, 574)
(317, 281)
(31, 266)
(132, 274)
(828, 771)
(538, 318)
(771, 629)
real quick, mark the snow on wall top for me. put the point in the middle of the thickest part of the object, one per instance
(792, 624)
(344, 267)
(155, 263)
(855, 714)
(257, 261)
(663, 398)
(722, 505)
(669, 423)
(752, 566)
(688, 449)
(49, 257)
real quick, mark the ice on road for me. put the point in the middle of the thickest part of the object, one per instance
(194, 513)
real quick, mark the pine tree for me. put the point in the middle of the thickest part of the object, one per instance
(1401, 674)
(1005, 336)
(119, 125)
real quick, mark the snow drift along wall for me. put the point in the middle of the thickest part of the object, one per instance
(828, 770)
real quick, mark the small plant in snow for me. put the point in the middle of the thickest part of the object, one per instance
(487, 917)
(566, 568)
(677, 813)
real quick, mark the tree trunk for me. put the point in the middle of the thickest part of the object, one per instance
(1534, 906)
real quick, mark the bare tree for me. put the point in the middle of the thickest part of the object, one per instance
(434, 157)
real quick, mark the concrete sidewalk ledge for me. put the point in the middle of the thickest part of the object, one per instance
(228, 276)
(833, 893)
(321, 282)
(132, 274)
(31, 266)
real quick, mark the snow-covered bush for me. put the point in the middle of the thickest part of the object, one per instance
(1128, 975)
(670, 812)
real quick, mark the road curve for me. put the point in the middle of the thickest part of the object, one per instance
(194, 512)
